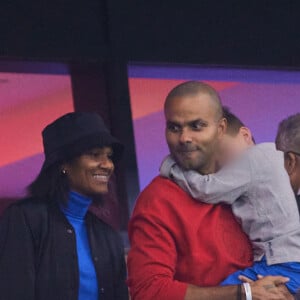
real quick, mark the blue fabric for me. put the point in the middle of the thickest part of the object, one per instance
(290, 270)
(75, 212)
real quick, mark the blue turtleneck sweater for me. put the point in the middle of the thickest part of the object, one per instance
(75, 212)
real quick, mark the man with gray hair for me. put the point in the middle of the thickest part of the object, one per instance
(288, 141)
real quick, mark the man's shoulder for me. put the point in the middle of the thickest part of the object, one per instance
(160, 191)
(162, 187)
(160, 183)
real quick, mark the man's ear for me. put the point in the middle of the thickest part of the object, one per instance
(222, 127)
(290, 162)
(245, 132)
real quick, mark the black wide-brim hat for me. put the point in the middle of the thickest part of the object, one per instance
(73, 134)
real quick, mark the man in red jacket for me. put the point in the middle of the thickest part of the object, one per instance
(181, 248)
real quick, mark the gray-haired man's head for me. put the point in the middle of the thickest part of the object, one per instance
(288, 141)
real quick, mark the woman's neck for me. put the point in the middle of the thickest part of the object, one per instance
(77, 205)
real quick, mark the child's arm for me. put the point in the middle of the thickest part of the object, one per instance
(226, 186)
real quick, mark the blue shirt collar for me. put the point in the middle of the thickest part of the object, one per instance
(77, 205)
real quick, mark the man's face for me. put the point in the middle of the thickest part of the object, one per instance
(295, 181)
(231, 146)
(193, 131)
(292, 165)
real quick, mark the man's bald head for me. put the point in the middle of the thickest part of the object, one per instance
(192, 88)
(194, 125)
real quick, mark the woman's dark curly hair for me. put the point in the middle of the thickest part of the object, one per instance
(51, 184)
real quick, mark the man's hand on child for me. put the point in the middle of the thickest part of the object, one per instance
(268, 287)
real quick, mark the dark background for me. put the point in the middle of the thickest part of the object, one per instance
(97, 38)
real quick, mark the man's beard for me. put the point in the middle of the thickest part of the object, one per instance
(202, 161)
(187, 163)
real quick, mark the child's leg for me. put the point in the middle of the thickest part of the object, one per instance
(290, 270)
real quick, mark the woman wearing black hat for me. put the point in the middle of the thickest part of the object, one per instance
(51, 247)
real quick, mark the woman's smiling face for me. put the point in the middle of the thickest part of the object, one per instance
(89, 173)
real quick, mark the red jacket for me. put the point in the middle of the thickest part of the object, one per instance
(176, 241)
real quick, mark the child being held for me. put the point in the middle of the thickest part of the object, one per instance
(257, 186)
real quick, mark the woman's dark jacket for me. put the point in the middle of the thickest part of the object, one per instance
(38, 259)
